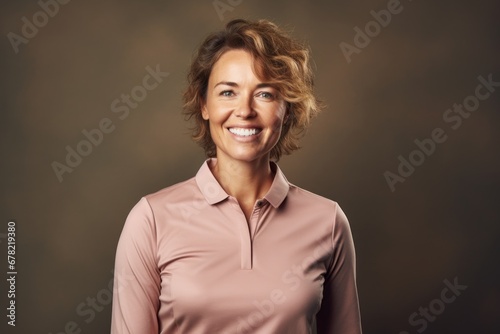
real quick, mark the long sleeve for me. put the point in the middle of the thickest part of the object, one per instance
(137, 278)
(339, 312)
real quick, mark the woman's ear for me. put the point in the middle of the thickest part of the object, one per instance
(204, 111)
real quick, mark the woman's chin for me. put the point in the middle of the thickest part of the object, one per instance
(246, 156)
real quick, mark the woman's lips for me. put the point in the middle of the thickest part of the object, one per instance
(244, 132)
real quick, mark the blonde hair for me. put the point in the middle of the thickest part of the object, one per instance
(283, 61)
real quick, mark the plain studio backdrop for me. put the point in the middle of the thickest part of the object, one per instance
(408, 145)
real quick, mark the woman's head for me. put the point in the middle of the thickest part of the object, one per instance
(278, 60)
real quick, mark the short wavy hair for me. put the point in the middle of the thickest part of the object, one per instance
(283, 61)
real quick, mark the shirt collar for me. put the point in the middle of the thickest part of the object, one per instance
(214, 193)
(208, 184)
(279, 189)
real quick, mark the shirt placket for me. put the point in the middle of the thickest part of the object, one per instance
(246, 232)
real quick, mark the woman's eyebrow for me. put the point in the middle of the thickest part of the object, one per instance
(227, 83)
(234, 84)
(265, 85)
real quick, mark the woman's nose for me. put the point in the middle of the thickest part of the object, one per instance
(245, 107)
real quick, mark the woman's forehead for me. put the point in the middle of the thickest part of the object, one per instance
(237, 65)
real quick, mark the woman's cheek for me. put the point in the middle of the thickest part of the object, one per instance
(276, 128)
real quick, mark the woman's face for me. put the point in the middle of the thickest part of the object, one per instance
(245, 113)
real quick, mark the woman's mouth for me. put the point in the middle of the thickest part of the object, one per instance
(245, 132)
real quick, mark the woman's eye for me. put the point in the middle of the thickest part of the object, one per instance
(227, 93)
(266, 95)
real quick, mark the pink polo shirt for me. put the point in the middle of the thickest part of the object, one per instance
(188, 263)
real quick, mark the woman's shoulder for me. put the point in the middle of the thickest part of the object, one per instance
(304, 195)
(317, 207)
(173, 193)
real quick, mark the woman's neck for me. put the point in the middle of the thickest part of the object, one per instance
(245, 181)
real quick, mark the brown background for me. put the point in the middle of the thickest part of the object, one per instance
(441, 223)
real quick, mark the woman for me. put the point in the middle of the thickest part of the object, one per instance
(237, 248)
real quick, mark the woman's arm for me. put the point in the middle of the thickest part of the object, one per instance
(137, 278)
(339, 312)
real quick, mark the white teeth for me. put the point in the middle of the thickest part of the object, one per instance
(243, 132)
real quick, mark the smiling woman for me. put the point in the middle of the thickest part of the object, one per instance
(237, 248)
